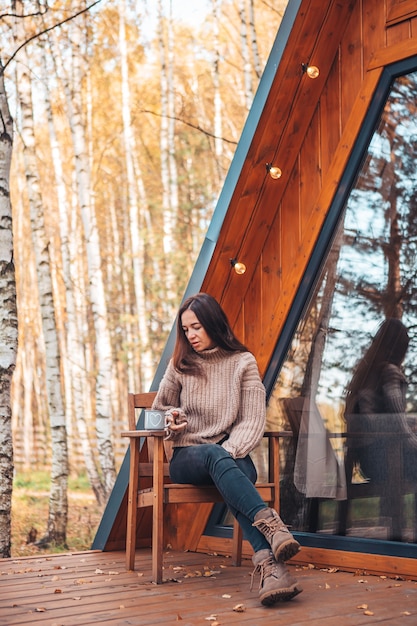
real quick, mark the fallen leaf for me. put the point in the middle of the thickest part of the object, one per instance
(58, 591)
(40, 610)
(406, 613)
(368, 613)
(239, 608)
(99, 571)
(113, 573)
(226, 595)
(211, 618)
(362, 606)
(327, 586)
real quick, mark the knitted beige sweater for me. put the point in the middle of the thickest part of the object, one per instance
(227, 401)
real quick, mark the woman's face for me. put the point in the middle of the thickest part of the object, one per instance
(194, 332)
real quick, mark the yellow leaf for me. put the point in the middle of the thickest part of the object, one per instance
(239, 608)
(368, 613)
(362, 606)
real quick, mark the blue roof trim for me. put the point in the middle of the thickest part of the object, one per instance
(209, 244)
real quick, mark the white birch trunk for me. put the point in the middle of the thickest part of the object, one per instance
(8, 323)
(218, 126)
(247, 66)
(172, 163)
(135, 199)
(75, 320)
(254, 41)
(168, 221)
(103, 348)
(58, 501)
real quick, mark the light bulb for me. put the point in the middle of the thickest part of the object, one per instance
(240, 268)
(312, 71)
(275, 172)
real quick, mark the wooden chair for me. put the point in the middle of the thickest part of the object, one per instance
(161, 491)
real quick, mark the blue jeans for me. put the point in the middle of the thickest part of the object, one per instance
(208, 464)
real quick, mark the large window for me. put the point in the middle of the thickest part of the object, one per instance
(349, 406)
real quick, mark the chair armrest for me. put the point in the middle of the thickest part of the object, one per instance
(143, 433)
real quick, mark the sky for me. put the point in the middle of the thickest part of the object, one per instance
(190, 11)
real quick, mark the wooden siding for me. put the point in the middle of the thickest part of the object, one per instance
(308, 128)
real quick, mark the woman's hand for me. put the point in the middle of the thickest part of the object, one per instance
(174, 422)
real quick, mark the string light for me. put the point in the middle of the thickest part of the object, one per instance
(240, 268)
(274, 171)
(312, 71)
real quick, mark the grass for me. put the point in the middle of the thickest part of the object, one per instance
(30, 505)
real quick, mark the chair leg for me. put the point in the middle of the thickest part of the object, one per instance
(158, 510)
(237, 543)
(132, 505)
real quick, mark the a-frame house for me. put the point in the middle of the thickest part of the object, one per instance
(297, 233)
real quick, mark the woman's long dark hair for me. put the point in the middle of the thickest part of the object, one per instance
(214, 321)
(388, 346)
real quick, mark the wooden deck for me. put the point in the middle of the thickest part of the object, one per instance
(94, 588)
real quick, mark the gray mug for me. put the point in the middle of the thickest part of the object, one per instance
(154, 420)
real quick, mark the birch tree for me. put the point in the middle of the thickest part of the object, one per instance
(58, 501)
(166, 133)
(245, 50)
(73, 82)
(76, 382)
(8, 322)
(218, 129)
(136, 205)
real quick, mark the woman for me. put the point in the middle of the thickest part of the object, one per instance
(214, 403)
(376, 403)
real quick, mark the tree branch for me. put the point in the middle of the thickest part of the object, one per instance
(46, 30)
(195, 126)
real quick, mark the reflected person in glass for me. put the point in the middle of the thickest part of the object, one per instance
(214, 403)
(376, 403)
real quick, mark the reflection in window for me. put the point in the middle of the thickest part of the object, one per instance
(370, 275)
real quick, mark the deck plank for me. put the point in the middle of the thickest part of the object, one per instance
(94, 588)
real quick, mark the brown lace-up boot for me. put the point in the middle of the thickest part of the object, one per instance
(276, 584)
(283, 544)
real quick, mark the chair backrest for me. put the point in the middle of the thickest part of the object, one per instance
(138, 401)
